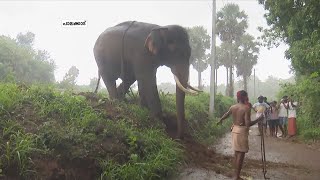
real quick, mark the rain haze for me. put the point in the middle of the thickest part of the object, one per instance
(70, 46)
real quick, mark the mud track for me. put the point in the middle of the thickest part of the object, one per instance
(286, 159)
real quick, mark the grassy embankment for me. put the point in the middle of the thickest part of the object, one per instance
(49, 134)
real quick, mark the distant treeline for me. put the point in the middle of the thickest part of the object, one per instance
(269, 88)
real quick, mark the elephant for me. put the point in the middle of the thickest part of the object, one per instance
(132, 51)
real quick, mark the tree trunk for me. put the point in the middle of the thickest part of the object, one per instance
(199, 81)
(227, 85)
(245, 83)
(230, 94)
(231, 73)
(216, 82)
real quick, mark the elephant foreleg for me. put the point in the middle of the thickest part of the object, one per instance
(143, 100)
(149, 95)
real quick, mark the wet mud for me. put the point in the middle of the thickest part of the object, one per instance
(287, 159)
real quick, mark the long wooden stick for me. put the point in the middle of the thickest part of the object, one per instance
(263, 153)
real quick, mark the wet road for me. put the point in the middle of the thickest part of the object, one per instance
(277, 150)
(298, 160)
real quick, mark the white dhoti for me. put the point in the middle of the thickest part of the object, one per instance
(240, 140)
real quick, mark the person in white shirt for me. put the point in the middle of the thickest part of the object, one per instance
(260, 108)
(283, 115)
(292, 114)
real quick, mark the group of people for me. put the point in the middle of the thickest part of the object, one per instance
(277, 116)
(273, 114)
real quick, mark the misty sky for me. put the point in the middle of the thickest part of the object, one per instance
(74, 46)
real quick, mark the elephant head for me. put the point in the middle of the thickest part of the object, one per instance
(171, 45)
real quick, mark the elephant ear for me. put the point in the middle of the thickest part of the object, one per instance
(156, 40)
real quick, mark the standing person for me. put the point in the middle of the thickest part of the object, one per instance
(274, 119)
(283, 115)
(260, 108)
(267, 114)
(241, 114)
(292, 125)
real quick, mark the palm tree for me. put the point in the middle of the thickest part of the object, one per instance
(231, 25)
(247, 57)
(200, 43)
(223, 58)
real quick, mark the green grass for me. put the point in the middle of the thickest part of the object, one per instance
(152, 156)
(123, 141)
(17, 147)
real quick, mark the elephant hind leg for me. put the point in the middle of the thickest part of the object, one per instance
(111, 86)
(124, 87)
(112, 89)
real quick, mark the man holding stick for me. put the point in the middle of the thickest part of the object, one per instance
(241, 114)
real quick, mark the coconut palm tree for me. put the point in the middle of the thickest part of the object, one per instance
(247, 57)
(200, 43)
(231, 25)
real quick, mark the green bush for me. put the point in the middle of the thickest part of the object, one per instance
(306, 91)
(201, 126)
(10, 95)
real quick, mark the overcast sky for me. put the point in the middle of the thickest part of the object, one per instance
(74, 45)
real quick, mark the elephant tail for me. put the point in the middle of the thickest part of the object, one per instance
(97, 87)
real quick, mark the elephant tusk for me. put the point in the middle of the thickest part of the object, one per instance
(193, 88)
(181, 86)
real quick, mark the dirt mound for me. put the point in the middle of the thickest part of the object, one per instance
(54, 169)
(197, 154)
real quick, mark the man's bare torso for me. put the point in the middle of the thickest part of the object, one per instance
(240, 113)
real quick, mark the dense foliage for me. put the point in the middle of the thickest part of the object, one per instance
(20, 62)
(296, 22)
(306, 91)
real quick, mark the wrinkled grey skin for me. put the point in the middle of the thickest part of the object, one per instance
(145, 47)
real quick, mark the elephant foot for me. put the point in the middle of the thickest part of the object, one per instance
(113, 101)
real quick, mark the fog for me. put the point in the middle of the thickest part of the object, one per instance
(74, 45)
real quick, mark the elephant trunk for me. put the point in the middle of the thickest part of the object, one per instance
(182, 87)
(180, 96)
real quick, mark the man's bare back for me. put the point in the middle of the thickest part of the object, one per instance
(240, 114)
